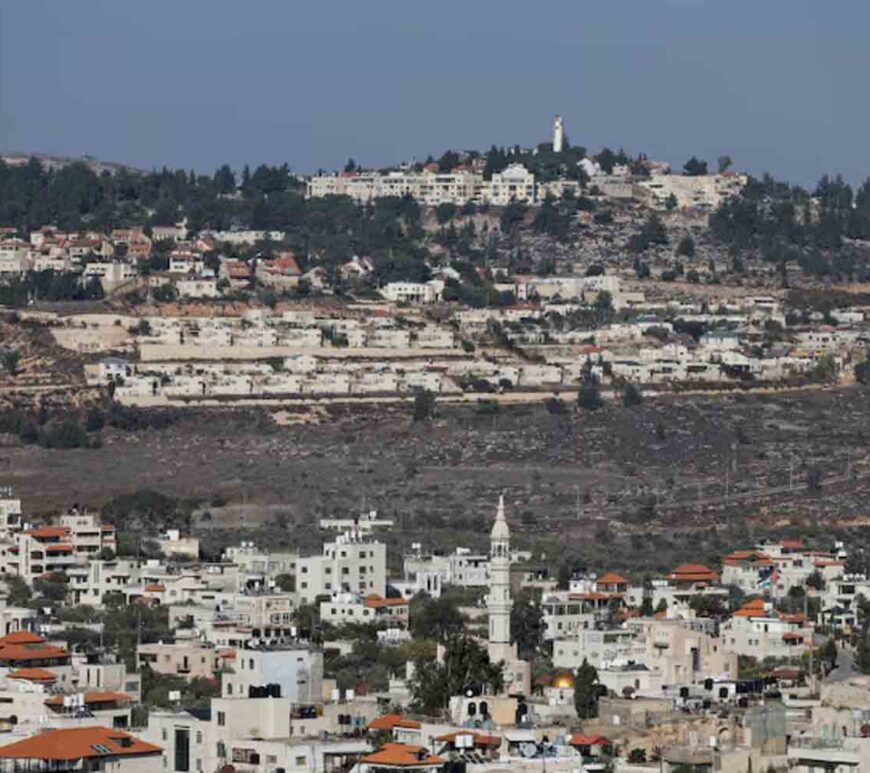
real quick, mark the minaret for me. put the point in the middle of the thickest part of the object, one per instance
(498, 602)
(558, 134)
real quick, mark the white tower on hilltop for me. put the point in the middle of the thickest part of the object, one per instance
(558, 134)
(498, 602)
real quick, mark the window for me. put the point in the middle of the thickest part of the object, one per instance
(229, 688)
(199, 737)
(221, 748)
(222, 720)
(163, 734)
(300, 761)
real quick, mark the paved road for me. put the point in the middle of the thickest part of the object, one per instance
(845, 665)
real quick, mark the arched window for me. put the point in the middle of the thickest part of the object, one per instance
(472, 708)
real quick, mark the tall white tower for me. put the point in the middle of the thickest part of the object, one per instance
(498, 602)
(558, 134)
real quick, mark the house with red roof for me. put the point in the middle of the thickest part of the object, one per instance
(400, 756)
(236, 272)
(81, 748)
(760, 631)
(611, 582)
(693, 576)
(25, 650)
(591, 747)
(749, 570)
(281, 272)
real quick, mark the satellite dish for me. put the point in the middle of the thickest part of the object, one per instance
(529, 750)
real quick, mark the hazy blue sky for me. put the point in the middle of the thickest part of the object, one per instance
(777, 84)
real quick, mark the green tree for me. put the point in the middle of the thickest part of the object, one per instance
(686, 247)
(863, 650)
(829, 652)
(631, 395)
(424, 405)
(527, 624)
(723, 164)
(586, 690)
(694, 167)
(17, 590)
(589, 395)
(11, 360)
(466, 665)
(437, 619)
(445, 212)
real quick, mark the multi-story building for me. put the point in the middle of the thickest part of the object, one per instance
(757, 630)
(187, 659)
(514, 183)
(350, 564)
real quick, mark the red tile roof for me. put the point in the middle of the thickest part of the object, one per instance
(76, 744)
(33, 675)
(589, 740)
(376, 602)
(389, 721)
(92, 698)
(755, 557)
(693, 573)
(400, 755)
(23, 646)
(49, 532)
(611, 578)
(21, 637)
(754, 608)
(285, 265)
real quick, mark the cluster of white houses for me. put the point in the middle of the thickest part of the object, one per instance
(467, 184)
(233, 620)
(304, 354)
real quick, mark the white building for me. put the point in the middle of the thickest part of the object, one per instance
(413, 292)
(350, 564)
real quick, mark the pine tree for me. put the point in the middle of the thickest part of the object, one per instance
(586, 691)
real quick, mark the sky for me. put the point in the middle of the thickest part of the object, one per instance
(776, 84)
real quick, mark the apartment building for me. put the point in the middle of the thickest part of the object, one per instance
(351, 563)
(514, 183)
(284, 668)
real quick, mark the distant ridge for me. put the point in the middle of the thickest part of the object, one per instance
(51, 161)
